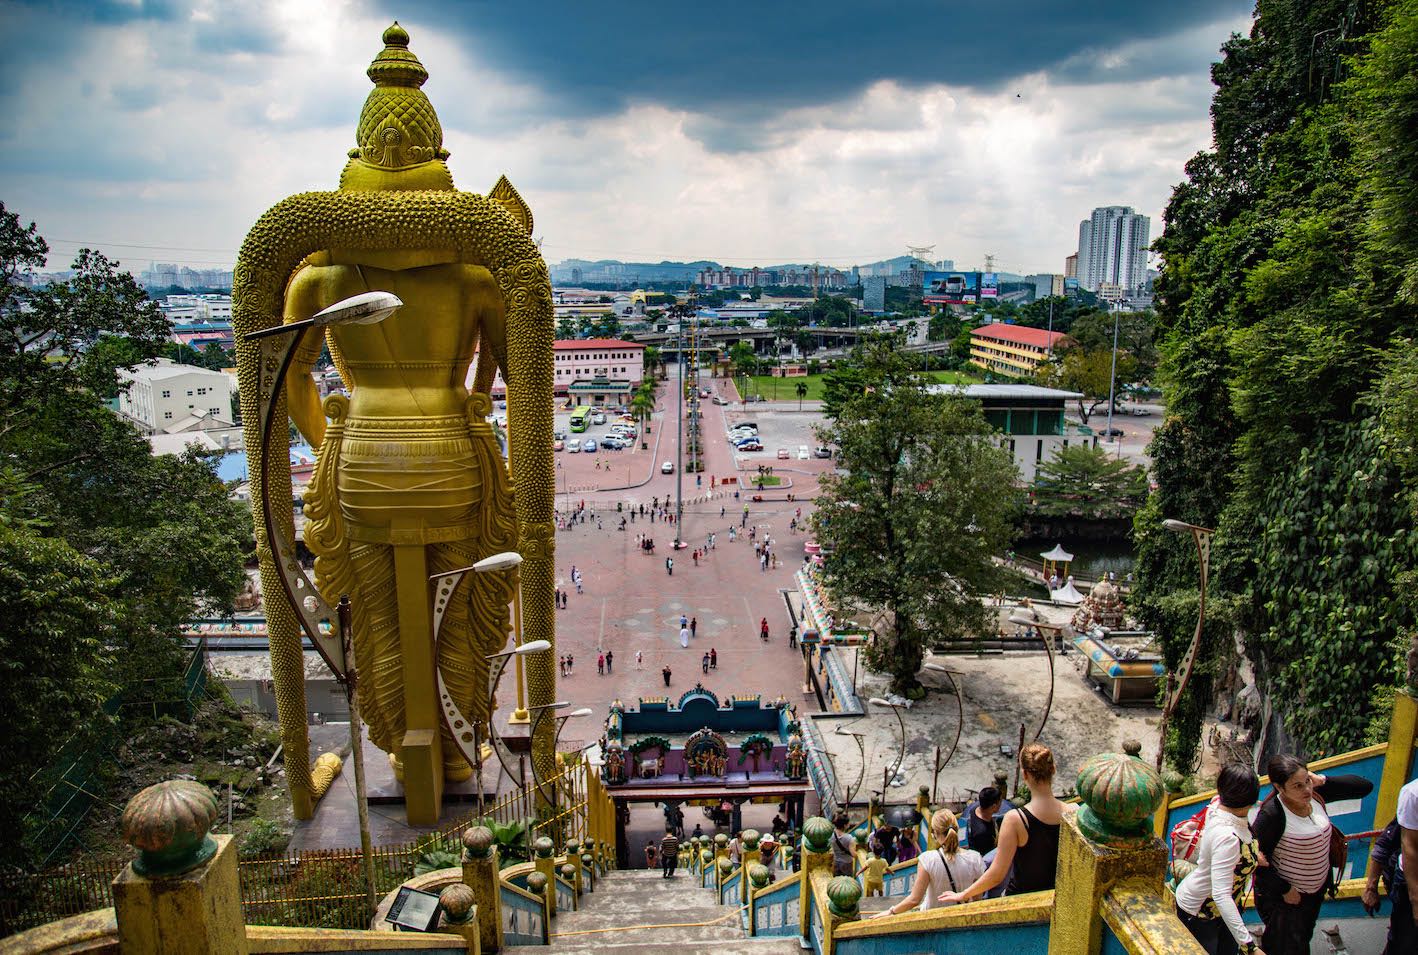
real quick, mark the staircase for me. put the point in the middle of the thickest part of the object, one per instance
(637, 912)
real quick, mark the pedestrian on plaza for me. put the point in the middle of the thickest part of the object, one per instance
(792, 638)
(732, 534)
(721, 510)
(652, 855)
(684, 637)
(704, 664)
(694, 626)
(713, 659)
(670, 566)
(696, 557)
(762, 563)
(666, 674)
(561, 665)
(683, 620)
(578, 583)
(763, 630)
(601, 664)
(639, 661)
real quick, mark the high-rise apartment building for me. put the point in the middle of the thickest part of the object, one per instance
(1112, 248)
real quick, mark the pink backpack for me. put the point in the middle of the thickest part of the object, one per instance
(1186, 835)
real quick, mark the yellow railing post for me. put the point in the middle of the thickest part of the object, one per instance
(1399, 758)
(817, 860)
(480, 873)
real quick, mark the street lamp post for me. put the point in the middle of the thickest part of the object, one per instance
(959, 726)
(279, 345)
(862, 768)
(497, 563)
(1112, 379)
(901, 722)
(526, 649)
(1201, 536)
(541, 710)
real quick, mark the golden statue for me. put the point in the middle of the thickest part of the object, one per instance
(410, 480)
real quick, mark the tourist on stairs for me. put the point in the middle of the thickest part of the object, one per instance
(1293, 833)
(1029, 837)
(941, 870)
(1208, 900)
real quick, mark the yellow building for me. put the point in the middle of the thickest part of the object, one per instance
(1011, 349)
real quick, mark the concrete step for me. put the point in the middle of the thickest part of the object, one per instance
(633, 912)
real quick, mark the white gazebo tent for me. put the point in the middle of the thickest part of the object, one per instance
(1059, 559)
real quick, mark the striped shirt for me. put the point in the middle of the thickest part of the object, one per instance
(669, 846)
(1301, 857)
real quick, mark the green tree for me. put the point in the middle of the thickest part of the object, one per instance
(801, 389)
(1088, 372)
(921, 502)
(565, 329)
(744, 359)
(156, 538)
(1081, 480)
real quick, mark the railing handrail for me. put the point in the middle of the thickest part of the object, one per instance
(779, 887)
(1328, 762)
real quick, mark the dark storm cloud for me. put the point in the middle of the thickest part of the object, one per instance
(725, 59)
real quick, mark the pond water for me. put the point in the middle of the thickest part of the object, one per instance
(1091, 558)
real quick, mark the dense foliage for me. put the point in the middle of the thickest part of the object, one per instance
(107, 549)
(1088, 482)
(1284, 306)
(920, 503)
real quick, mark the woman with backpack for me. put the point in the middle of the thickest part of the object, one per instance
(1298, 849)
(944, 869)
(1208, 900)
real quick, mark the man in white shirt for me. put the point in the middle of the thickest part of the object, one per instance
(1403, 925)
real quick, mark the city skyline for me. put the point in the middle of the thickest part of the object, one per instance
(171, 128)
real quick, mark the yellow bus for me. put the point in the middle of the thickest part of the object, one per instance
(580, 418)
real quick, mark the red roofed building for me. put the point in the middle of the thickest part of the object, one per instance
(594, 371)
(1011, 349)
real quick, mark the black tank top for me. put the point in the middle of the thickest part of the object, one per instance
(1037, 860)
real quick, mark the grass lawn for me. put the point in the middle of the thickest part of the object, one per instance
(785, 389)
(767, 480)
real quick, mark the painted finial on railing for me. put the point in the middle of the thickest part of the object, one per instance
(457, 901)
(843, 895)
(817, 834)
(749, 838)
(477, 842)
(1120, 794)
(758, 875)
(568, 872)
(544, 847)
(537, 883)
(168, 824)
(721, 841)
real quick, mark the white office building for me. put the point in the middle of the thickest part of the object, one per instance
(162, 393)
(1112, 248)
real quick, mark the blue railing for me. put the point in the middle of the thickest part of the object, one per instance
(1006, 939)
(841, 683)
(565, 895)
(814, 923)
(898, 881)
(729, 889)
(777, 910)
(523, 917)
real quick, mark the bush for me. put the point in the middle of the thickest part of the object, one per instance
(265, 838)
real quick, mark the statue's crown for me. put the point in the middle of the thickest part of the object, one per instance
(398, 127)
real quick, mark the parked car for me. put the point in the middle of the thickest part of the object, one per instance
(783, 454)
(746, 439)
(802, 452)
(558, 444)
(598, 417)
(589, 445)
(823, 452)
(573, 447)
(614, 442)
(750, 446)
(1139, 412)
(720, 401)
(1111, 432)
(667, 468)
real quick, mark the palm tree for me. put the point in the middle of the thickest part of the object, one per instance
(652, 359)
(802, 393)
(642, 405)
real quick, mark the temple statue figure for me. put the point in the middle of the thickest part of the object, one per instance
(410, 480)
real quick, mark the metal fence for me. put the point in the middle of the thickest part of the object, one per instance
(321, 888)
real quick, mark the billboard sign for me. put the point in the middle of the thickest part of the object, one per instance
(950, 288)
(989, 285)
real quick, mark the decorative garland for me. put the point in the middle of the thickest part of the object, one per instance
(649, 742)
(757, 743)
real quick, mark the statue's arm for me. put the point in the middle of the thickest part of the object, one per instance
(492, 351)
(302, 394)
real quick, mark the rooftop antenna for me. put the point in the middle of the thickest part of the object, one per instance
(989, 262)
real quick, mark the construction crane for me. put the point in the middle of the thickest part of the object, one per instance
(989, 262)
(920, 252)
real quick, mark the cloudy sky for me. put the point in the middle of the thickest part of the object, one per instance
(749, 133)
